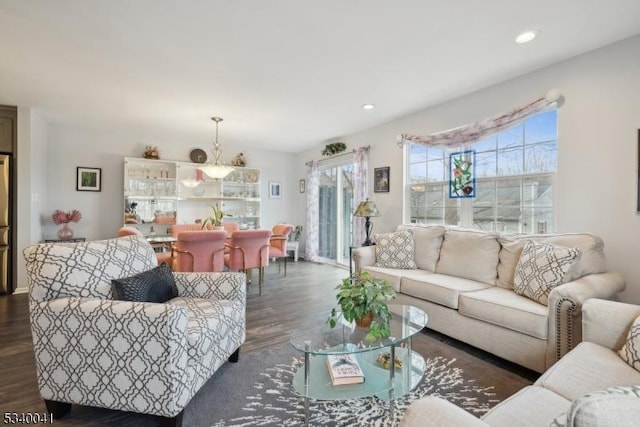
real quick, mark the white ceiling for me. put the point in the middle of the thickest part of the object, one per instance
(284, 74)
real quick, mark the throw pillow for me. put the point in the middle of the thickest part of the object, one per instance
(541, 268)
(395, 250)
(630, 351)
(612, 407)
(155, 285)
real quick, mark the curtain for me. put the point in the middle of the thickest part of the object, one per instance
(360, 191)
(468, 134)
(313, 213)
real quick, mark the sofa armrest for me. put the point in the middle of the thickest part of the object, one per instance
(434, 411)
(565, 309)
(363, 256)
(138, 347)
(607, 322)
(222, 286)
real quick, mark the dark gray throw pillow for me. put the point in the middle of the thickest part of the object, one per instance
(155, 285)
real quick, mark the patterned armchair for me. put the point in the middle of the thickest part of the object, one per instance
(132, 356)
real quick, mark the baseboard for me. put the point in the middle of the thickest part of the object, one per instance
(21, 290)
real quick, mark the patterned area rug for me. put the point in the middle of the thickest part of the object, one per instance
(258, 391)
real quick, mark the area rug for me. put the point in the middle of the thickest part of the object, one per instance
(257, 391)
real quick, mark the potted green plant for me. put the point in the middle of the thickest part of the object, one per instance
(216, 219)
(363, 299)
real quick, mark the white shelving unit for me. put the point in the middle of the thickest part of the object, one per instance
(157, 195)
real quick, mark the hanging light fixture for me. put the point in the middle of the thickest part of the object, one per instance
(216, 169)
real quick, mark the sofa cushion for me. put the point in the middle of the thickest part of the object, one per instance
(392, 275)
(438, 288)
(209, 322)
(470, 255)
(427, 241)
(591, 260)
(395, 250)
(630, 351)
(155, 285)
(510, 250)
(613, 407)
(587, 368)
(504, 308)
(541, 268)
(531, 406)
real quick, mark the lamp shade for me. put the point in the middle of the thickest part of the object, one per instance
(217, 171)
(367, 208)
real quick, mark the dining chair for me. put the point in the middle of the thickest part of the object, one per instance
(278, 244)
(163, 256)
(249, 249)
(201, 251)
(178, 228)
(230, 227)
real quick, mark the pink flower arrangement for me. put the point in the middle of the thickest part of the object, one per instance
(61, 217)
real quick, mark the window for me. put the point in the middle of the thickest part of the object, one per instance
(515, 170)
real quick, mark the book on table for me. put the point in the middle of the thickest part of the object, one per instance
(344, 369)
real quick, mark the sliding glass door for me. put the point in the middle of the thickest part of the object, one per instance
(336, 213)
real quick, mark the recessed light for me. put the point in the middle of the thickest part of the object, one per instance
(527, 36)
(368, 106)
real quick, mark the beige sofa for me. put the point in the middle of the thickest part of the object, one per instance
(464, 280)
(590, 386)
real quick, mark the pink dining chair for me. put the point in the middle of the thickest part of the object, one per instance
(201, 250)
(178, 228)
(278, 244)
(249, 249)
(230, 227)
(164, 256)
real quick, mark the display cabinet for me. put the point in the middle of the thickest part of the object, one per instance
(159, 193)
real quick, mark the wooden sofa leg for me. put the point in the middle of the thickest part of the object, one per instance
(57, 409)
(235, 356)
(172, 422)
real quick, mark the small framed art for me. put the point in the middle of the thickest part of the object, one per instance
(88, 179)
(275, 191)
(381, 180)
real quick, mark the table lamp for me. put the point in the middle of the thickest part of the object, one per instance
(367, 209)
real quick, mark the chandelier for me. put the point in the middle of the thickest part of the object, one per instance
(216, 169)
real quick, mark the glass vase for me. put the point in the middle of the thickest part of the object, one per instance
(65, 233)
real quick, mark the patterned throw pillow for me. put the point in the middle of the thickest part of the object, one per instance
(630, 351)
(541, 268)
(155, 285)
(395, 250)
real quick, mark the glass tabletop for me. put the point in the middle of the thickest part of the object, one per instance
(346, 337)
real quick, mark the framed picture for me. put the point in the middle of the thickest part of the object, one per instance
(462, 178)
(88, 179)
(275, 192)
(381, 180)
(302, 185)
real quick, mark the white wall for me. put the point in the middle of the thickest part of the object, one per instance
(598, 125)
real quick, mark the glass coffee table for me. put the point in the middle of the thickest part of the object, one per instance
(312, 380)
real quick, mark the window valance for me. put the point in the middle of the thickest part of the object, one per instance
(470, 133)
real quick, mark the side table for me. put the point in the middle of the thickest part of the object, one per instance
(293, 246)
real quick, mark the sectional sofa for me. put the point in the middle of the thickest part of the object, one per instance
(592, 386)
(464, 279)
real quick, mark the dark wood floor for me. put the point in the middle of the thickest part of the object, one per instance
(286, 303)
